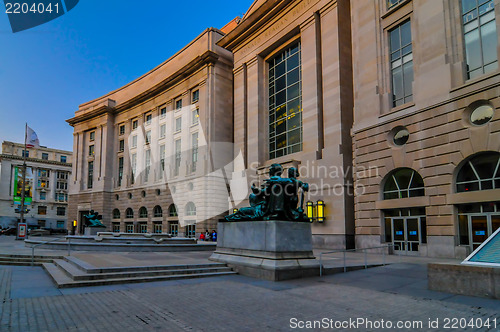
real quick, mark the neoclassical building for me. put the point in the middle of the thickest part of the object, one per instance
(48, 174)
(146, 154)
(426, 100)
(293, 102)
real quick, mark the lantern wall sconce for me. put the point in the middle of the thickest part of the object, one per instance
(316, 211)
(235, 210)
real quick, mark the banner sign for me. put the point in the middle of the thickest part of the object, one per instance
(18, 185)
(21, 230)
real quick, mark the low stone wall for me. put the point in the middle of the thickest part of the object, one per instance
(463, 279)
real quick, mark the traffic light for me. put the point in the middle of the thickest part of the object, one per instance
(18, 210)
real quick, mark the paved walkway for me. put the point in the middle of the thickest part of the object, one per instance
(397, 292)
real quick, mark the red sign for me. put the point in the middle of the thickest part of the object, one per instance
(21, 230)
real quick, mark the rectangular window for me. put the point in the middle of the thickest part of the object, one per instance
(63, 159)
(44, 173)
(149, 118)
(90, 177)
(196, 96)
(194, 151)
(42, 210)
(25, 153)
(92, 135)
(148, 136)
(45, 156)
(133, 166)
(163, 112)
(178, 124)
(162, 161)
(163, 130)
(195, 115)
(41, 223)
(285, 102)
(147, 170)
(480, 36)
(122, 130)
(61, 185)
(43, 196)
(401, 64)
(392, 3)
(134, 141)
(61, 211)
(120, 171)
(178, 104)
(91, 150)
(177, 157)
(121, 146)
(62, 175)
(135, 124)
(43, 183)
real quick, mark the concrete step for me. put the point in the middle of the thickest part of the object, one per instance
(7, 262)
(78, 274)
(63, 280)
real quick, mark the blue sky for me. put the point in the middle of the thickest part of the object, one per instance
(47, 71)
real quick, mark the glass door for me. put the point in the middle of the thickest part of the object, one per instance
(174, 229)
(412, 236)
(398, 235)
(479, 227)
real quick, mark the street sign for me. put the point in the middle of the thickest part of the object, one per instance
(21, 230)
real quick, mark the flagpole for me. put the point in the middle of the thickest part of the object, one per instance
(23, 190)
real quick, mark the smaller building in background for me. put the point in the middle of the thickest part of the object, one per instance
(47, 176)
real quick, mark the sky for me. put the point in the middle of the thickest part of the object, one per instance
(97, 47)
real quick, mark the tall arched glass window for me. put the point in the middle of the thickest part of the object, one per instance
(157, 212)
(481, 172)
(403, 183)
(172, 211)
(143, 212)
(116, 214)
(190, 209)
(129, 213)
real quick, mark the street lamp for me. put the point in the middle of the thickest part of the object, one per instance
(320, 211)
(310, 211)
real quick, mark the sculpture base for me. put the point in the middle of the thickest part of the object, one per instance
(271, 250)
(93, 230)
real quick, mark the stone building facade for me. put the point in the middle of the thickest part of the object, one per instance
(49, 171)
(293, 102)
(426, 100)
(145, 154)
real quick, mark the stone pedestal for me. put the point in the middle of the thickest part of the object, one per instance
(93, 230)
(272, 250)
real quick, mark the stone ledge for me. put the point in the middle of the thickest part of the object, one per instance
(480, 281)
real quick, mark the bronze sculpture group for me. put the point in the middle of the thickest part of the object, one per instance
(276, 199)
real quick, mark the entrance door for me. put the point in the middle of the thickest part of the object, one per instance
(479, 227)
(406, 234)
(174, 228)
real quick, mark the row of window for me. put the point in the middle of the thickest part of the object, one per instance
(44, 156)
(190, 210)
(481, 172)
(60, 210)
(480, 43)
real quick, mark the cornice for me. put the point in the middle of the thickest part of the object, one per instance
(35, 160)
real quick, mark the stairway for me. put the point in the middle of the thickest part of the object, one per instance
(25, 260)
(70, 272)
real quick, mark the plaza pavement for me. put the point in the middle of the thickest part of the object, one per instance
(396, 292)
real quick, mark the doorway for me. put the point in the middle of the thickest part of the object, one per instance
(477, 222)
(406, 229)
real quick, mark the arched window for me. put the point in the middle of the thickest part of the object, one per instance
(157, 212)
(129, 213)
(481, 172)
(172, 211)
(116, 214)
(190, 209)
(143, 212)
(403, 183)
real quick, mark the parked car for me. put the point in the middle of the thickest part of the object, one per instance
(8, 231)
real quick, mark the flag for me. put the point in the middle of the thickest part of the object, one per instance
(31, 138)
